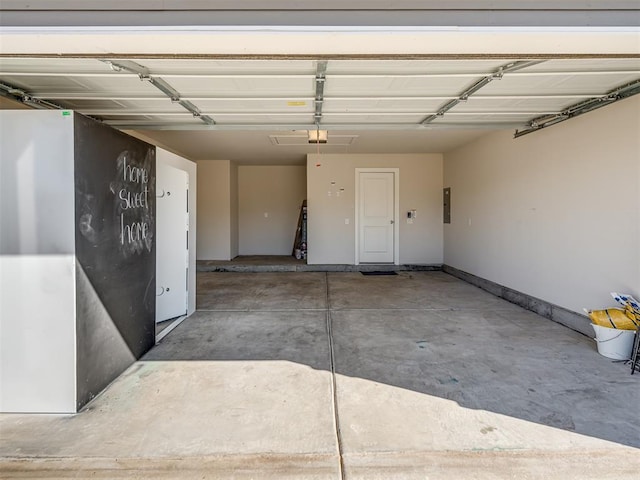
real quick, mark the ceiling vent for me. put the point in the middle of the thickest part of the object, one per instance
(303, 139)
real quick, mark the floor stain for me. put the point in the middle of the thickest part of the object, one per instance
(448, 381)
(559, 420)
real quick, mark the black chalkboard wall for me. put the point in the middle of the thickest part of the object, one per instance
(115, 251)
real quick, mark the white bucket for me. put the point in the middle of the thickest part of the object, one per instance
(614, 343)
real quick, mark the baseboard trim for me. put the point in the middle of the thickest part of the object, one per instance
(210, 266)
(575, 321)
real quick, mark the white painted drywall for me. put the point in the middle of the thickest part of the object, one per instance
(214, 210)
(165, 158)
(332, 240)
(37, 262)
(554, 214)
(269, 201)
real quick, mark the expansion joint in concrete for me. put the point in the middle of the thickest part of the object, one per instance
(261, 310)
(332, 364)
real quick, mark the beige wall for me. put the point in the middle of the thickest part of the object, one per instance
(214, 210)
(554, 214)
(269, 200)
(332, 241)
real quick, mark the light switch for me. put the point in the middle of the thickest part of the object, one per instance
(446, 204)
(266, 214)
(346, 221)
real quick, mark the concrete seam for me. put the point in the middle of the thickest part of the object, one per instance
(417, 309)
(250, 310)
(332, 365)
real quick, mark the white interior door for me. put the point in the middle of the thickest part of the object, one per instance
(376, 217)
(172, 230)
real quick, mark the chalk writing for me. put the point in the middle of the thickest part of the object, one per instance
(133, 174)
(133, 231)
(132, 189)
(134, 200)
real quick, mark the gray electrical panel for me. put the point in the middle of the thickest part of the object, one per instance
(446, 204)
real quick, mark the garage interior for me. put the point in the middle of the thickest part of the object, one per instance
(322, 372)
(247, 120)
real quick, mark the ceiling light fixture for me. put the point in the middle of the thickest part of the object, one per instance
(318, 136)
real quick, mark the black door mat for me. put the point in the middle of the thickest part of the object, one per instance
(379, 273)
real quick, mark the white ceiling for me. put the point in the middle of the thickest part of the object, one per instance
(256, 111)
(255, 147)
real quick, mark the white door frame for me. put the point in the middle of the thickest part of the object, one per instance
(396, 201)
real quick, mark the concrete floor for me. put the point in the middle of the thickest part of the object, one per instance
(340, 375)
